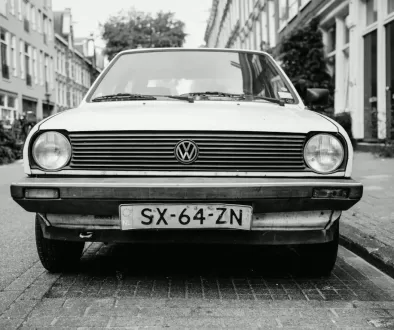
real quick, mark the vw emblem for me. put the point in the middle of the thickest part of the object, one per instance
(186, 151)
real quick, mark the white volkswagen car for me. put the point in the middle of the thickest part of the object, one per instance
(189, 146)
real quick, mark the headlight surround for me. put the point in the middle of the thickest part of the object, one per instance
(324, 153)
(51, 151)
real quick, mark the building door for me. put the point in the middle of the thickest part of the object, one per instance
(370, 86)
(390, 80)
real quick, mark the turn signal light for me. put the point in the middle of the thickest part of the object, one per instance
(42, 193)
(330, 193)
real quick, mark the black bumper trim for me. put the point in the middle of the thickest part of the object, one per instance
(102, 196)
(195, 236)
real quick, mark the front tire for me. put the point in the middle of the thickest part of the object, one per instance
(319, 259)
(57, 256)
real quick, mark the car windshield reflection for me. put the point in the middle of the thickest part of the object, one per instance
(180, 73)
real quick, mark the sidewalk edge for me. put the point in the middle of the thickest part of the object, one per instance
(370, 249)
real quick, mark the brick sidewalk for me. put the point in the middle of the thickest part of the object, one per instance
(369, 225)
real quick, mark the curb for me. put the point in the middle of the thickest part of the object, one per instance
(367, 247)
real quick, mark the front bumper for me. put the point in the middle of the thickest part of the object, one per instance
(102, 196)
(285, 210)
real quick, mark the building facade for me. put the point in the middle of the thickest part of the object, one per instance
(42, 70)
(359, 41)
(27, 59)
(74, 71)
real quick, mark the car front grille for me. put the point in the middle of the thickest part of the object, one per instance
(218, 151)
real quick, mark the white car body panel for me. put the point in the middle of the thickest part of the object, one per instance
(178, 115)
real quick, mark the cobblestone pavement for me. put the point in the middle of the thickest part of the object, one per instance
(374, 214)
(126, 286)
(136, 287)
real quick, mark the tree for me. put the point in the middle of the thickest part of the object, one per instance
(304, 61)
(137, 29)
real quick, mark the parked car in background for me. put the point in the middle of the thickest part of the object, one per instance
(189, 146)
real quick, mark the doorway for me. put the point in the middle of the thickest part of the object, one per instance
(390, 80)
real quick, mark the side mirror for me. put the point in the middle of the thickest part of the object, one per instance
(317, 97)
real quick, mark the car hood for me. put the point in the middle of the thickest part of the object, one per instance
(182, 116)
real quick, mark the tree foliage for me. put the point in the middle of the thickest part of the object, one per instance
(10, 149)
(137, 29)
(303, 59)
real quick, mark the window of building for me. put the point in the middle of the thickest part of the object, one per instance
(4, 53)
(20, 9)
(390, 6)
(22, 58)
(33, 17)
(14, 56)
(372, 11)
(46, 72)
(28, 64)
(41, 68)
(71, 69)
(58, 61)
(49, 30)
(45, 28)
(272, 23)
(11, 102)
(293, 8)
(283, 13)
(51, 72)
(35, 66)
(8, 109)
(3, 8)
(64, 63)
(264, 28)
(12, 7)
(26, 17)
(39, 17)
(65, 95)
(60, 92)
(331, 66)
(331, 38)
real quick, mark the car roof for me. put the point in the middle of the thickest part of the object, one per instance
(179, 49)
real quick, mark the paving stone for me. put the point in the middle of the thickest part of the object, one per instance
(7, 298)
(19, 309)
(11, 324)
(86, 321)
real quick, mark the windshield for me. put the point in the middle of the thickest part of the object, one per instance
(185, 72)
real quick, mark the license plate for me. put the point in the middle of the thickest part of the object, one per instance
(176, 216)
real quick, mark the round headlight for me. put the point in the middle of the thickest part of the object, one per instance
(51, 151)
(324, 153)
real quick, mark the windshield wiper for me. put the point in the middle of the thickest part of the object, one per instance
(239, 96)
(123, 97)
(189, 98)
(211, 93)
(265, 98)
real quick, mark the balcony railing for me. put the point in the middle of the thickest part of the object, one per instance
(26, 24)
(5, 71)
(28, 80)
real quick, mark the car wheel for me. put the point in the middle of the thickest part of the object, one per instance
(319, 259)
(57, 256)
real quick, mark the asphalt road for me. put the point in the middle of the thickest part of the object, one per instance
(123, 286)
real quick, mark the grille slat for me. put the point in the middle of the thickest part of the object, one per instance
(218, 151)
(190, 135)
